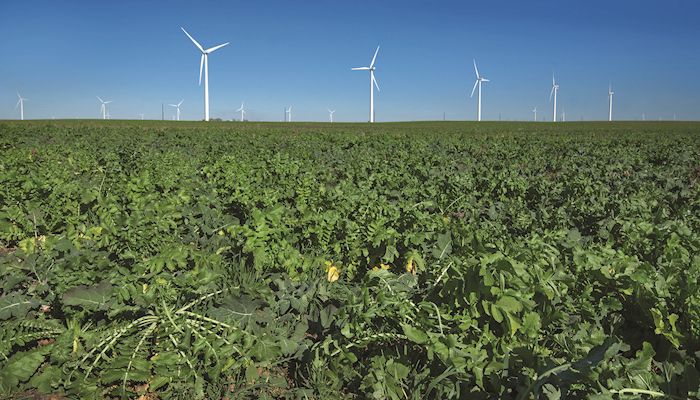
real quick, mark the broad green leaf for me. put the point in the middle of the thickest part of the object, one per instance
(15, 305)
(414, 334)
(95, 297)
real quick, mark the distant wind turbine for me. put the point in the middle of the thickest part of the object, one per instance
(372, 83)
(177, 107)
(103, 107)
(555, 90)
(204, 64)
(141, 116)
(242, 111)
(330, 113)
(479, 80)
(288, 113)
(20, 104)
(610, 102)
(535, 111)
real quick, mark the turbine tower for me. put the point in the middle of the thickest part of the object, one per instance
(555, 90)
(20, 104)
(610, 102)
(204, 64)
(242, 111)
(288, 113)
(479, 80)
(177, 106)
(372, 83)
(103, 107)
(535, 111)
(330, 113)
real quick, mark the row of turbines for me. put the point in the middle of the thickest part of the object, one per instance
(204, 64)
(204, 69)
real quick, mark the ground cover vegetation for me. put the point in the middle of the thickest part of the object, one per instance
(318, 261)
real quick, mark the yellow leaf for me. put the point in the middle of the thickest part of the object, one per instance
(411, 266)
(333, 274)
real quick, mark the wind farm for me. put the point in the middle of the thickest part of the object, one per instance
(530, 239)
(558, 115)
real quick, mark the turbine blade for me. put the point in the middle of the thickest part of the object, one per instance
(475, 83)
(199, 46)
(18, 101)
(180, 103)
(551, 93)
(476, 70)
(98, 98)
(374, 58)
(485, 80)
(215, 48)
(201, 66)
(107, 102)
(360, 69)
(375, 83)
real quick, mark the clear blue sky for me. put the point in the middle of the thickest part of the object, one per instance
(61, 54)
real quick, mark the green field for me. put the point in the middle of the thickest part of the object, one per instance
(427, 260)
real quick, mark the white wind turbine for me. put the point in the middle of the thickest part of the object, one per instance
(204, 64)
(610, 102)
(372, 83)
(479, 80)
(103, 107)
(534, 110)
(177, 107)
(20, 104)
(555, 90)
(330, 114)
(242, 111)
(288, 113)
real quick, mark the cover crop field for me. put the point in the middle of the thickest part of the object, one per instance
(317, 261)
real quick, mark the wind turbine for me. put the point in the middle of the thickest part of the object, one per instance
(372, 83)
(288, 112)
(555, 90)
(610, 102)
(20, 104)
(479, 80)
(242, 111)
(330, 113)
(177, 106)
(535, 111)
(204, 64)
(103, 107)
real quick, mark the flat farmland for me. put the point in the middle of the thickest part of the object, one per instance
(318, 261)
